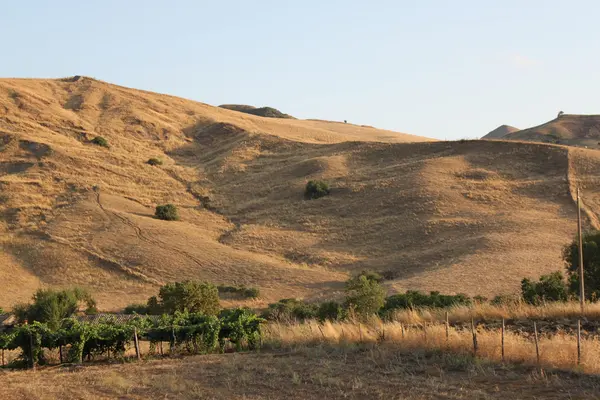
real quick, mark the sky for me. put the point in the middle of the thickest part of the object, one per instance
(443, 69)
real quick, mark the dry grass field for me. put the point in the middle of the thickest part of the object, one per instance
(302, 372)
(472, 217)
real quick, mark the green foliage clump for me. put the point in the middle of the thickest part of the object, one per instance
(316, 189)
(505, 300)
(369, 275)
(364, 296)
(550, 287)
(240, 326)
(291, 310)
(154, 161)
(193, 296)
(416, 299)
(331, 311)
(243, 291)
(166, 212)
(140, 309)
(100, 141)
(591, 265)
(52, 306)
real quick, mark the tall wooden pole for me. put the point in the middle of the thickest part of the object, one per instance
(580, 240)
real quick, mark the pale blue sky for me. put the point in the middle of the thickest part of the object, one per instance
(444, 69)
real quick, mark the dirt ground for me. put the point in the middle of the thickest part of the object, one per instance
(304, 373)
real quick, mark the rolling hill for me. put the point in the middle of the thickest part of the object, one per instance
(500, 132)
(269, 112)
(471, 217)
(568, 129)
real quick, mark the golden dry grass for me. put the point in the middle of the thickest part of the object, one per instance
(365, 372)
(472, 217)
(557, 351)
(489, 312)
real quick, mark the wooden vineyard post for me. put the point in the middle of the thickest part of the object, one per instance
(3, 357)
(161, 348)
(137, 344)
(425, 331)
(60, 356)
(503, 330)
(402, 330)
(31, 350)
(537, 346)
(578, 342)
(173, 340)
(474, 333)
(447, 329)
(360, 332)
(580, 246)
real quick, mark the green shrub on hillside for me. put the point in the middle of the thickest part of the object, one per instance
(100, 141)
(167, 212)
(550, 287)
(52, 306)
(290, 310)
(316, 189)
(415, 299)
(364, 296)
(331, 311)
(243, 291)
(193, 296)
(154, 161)
(140, 309)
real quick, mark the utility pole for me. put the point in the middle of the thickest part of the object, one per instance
(580, 239)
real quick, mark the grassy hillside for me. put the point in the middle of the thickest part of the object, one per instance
(568, 129)
(471, 217)
(500, 132)
(268, 112)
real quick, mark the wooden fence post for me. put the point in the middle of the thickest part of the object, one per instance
(360, 332)
(137, 344)
(402, 329)
(3, 357)
(578, 342)
(60, 356)
(503, 330)
(425, 331)
(474, 333)
(537, 347)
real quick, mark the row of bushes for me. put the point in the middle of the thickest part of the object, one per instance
(242, 291)
(194, 332)
(364, 296)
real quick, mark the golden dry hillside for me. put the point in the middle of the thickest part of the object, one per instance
(567, 129)
(471, 217)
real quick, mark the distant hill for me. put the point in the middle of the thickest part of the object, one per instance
(568, 129)
(268, 112)
(500, 132)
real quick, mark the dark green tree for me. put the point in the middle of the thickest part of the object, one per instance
(193, 296)
(550, 287)
(591, 265)
(52, 306)
(364, 296)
